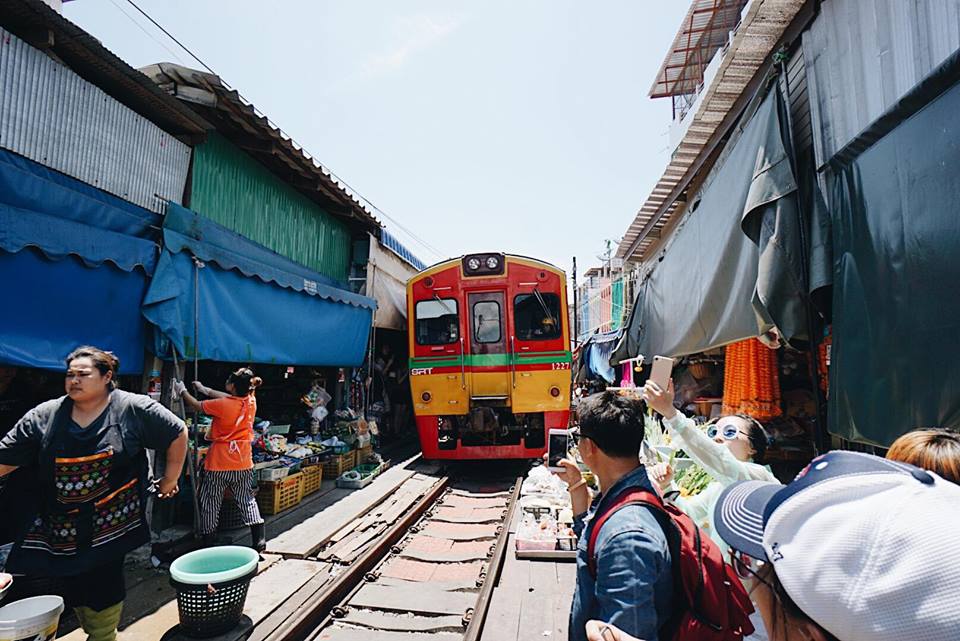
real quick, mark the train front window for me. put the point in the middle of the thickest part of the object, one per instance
(537, 316)
(486, 322)
(437, 322)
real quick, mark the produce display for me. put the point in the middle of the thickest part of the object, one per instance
(546, 515)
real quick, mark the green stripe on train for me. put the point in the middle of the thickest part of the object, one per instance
(492, 360)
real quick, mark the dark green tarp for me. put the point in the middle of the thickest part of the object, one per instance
(896, 302)
(704, 292)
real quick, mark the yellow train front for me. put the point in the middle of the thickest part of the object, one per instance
(489, 356)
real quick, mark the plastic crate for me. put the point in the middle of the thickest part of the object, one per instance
(273, 473)
(276, 496)
(337, 464)
(364, 453)
(367, 474)
(312, 477)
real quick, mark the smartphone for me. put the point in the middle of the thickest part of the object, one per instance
(660, 371)
(558, 444)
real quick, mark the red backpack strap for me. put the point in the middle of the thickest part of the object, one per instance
(630, 496)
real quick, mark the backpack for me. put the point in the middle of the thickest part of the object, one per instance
(710, 603)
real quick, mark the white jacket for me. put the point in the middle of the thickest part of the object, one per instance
(725, 468)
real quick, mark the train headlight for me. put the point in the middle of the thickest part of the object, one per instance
(426, 396)
(483, 265)
(555, 391)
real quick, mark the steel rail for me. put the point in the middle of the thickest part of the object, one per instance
(475, 627)
(306, 619)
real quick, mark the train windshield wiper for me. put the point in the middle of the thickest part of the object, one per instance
(543, 304)
(444, 305)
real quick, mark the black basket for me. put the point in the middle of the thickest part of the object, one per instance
(206, 612)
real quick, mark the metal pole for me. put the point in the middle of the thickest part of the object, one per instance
(820, 437)
(196, 318)
(191, 455)
(576, 306)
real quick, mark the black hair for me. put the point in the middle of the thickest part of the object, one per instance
(613, 422)
(103, 360)
(759, 439)
(244, 382)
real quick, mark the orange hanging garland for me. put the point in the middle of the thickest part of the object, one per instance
(751, 380)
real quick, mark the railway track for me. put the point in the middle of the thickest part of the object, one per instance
(425, 574)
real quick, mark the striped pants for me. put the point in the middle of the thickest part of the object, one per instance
(214, 483)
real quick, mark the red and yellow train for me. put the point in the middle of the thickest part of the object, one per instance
(490, 357)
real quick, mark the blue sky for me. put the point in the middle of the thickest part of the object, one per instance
(479, 126)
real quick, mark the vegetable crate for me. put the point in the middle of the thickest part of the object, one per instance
(312, 477)
(364, 453)
(276, 496)
(339, 463)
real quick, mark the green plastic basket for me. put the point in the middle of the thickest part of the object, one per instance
(214, 565)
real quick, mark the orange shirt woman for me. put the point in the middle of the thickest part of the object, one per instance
(231, 434)
(229, 462)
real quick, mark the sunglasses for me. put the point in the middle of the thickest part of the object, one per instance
(743, 563)
(729, 432)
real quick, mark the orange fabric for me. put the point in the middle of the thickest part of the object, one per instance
(231, 433)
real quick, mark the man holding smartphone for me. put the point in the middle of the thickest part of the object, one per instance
(628, 582)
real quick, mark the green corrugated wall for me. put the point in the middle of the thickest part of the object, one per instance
(616, 312)
(234, 190)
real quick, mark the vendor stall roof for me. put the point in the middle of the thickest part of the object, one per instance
(244, 303)
(71, 248)
(42, 27)
(764, 25)
(237, 119)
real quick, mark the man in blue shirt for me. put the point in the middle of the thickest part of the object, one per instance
(633, 588)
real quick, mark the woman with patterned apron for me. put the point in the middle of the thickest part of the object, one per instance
(229, 461)
(87, 512)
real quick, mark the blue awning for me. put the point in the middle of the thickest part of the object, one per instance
(74, 263)
(390, 241)
(255, 306)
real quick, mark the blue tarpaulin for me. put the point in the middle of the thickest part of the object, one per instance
(74, 263)
(255, 306)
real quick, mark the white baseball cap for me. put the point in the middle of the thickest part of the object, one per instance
(865, 547)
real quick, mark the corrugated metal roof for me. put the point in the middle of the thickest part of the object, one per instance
(393, 244)
(51, 115)
(241, 122)
(704, 30)
(41, 26)
(761, 27)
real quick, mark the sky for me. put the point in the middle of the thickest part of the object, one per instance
(521, 127)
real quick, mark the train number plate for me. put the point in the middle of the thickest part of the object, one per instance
(557, 366)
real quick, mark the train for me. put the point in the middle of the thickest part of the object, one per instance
(490, 360)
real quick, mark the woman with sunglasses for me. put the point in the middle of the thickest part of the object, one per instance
(731, 450)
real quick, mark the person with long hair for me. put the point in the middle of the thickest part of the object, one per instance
(229, 461)
(731, 450)
(87, 507)
(936, 450)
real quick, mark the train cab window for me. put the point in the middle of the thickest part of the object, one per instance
(437, 322)
(486, 322)
(537, 316)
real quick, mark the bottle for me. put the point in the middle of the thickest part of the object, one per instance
(154, 385)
